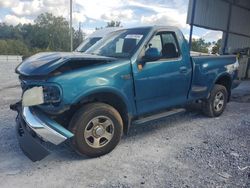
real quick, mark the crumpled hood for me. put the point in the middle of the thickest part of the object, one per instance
(44, 63)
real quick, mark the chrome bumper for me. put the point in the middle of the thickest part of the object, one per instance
(32, 126)
(45, 128)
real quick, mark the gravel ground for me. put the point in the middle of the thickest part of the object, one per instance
(188, 150)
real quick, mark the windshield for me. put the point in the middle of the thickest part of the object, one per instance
(86, 44)
(121, 43)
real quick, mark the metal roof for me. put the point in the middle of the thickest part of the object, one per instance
(230, 16)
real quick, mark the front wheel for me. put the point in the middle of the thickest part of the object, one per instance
(97, 129)
(216, 103)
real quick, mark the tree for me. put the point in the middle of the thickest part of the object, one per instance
(216, 47)
(98, 28)
(77, 38)
(13, 47)
(113, 23)
(10, 32)
(3, 47)
(199, 45)
(49, 33)
(17, 47)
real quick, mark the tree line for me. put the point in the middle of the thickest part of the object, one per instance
(48, 33)
(51, 33)
(199, 45)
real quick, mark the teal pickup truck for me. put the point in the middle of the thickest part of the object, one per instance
(133, 76)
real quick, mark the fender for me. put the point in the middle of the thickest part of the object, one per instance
(99, 90)
(119, 101)
(218, 77)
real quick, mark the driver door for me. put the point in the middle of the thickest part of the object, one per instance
(164, 82)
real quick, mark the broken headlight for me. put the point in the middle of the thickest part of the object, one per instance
(51, 94)
(41, 95)
(33, 96)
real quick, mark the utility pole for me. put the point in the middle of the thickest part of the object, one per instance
(192, 23)
(79, 33)
(70, 29)
(80, 24)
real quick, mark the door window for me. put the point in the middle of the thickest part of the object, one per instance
(166, 44)
(169, 46)
(155, 42)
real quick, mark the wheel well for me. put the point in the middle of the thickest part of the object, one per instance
(225, 81)
(111, 99)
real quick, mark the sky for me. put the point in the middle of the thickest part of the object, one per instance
(96, 13)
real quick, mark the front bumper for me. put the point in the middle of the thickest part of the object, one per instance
(34, 128)
(37, 122)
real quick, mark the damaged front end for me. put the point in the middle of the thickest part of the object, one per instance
(40, 116)
(33, 128)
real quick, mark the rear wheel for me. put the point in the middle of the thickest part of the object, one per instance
(97, 129)
(216, 103)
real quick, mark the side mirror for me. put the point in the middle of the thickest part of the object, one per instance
(152, 54)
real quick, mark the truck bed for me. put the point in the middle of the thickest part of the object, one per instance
(206, 70)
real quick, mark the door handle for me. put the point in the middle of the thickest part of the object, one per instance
(183, 69)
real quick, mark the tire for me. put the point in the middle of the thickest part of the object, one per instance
(213, 107)
(97, 129)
